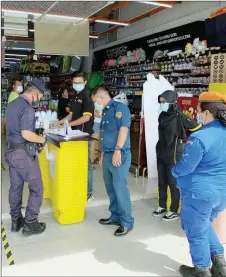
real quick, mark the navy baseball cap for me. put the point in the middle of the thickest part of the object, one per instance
(39, 84)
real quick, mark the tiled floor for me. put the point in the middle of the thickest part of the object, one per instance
(153, 248)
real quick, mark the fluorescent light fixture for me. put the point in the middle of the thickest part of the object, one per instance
(93, 36)
(65, 17)
(13, 59)
(17, 48)
(31, 30)
(14, 29)
(158, 4)
(78, 57)
(39, 14)
(15, 55)
(112, 22)
(21, 12)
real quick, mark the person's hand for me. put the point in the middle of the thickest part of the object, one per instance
(92, 156)
(43, 138)
(101, 159)
(53, 124)
(117, 159)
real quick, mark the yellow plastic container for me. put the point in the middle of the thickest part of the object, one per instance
(46, 178)
(168, 203)
(69, 186)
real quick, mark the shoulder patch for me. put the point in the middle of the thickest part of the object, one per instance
(119, 115)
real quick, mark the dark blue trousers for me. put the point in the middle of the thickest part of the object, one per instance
(23, 168)
(196, 217)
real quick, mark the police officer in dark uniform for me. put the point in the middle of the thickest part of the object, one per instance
(21, 149)
(81, 117)
(116, 160)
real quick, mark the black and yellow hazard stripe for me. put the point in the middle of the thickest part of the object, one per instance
(3, 167)
(5, 243)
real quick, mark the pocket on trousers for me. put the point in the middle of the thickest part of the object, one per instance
(19, 159)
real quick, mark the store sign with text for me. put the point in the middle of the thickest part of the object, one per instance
(176, 38)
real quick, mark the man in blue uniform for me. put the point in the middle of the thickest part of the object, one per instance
(116, 160)
(21, 141)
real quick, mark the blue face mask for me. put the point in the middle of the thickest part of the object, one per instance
(98, 107)
(200, 121)
(19, 89)
(164, 107)
(78, 87)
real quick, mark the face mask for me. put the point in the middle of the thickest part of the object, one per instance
(19, 89)
(164, 107)
(200, 121)
(78, 87)
(98, 107)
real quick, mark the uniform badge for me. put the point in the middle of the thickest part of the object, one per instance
(119, 115)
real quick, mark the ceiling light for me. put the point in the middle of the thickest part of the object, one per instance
(47, 15)
(14, 29)
(112, 22)
(17, 48)
(158, 4)
(13, 59)
(65, 17)
(21, 12)
(16, 55)
(93, 36)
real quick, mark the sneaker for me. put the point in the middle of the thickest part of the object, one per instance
(89, 197)
(170, 216)
(159, 212)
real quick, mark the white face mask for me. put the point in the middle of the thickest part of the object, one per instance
(78, 87)
(19, 89)
(164, 107)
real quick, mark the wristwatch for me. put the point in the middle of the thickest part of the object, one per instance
(117, 148)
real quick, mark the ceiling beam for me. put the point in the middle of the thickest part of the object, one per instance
(137, 18)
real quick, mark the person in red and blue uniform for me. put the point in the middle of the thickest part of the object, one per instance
(201, 177)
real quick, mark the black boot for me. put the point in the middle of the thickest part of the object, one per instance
(33, 228)
(108, 221)
(187, 271)
(219, 266)
(17, 224)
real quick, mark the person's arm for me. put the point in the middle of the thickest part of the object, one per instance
(67, 118)
(85, 118)
(123, 120)
(88, 110)
(193, 154)
(27, 126)
(189, 124)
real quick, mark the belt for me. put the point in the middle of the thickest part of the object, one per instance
(13, 145)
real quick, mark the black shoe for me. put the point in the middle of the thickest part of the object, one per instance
(17, 224)
(122, 231)
(219, 266)
(89, 197)
(187, 271)
(34, 228)
(159, 212)
(108, 221)
(170, 216)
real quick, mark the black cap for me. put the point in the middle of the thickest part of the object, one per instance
(39, 84)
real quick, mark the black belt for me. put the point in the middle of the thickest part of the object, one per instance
(13, 145)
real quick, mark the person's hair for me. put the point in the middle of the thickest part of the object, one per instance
(102, 89)
(217, 109)
(61, 92)
(16, 80)
(79, 75)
